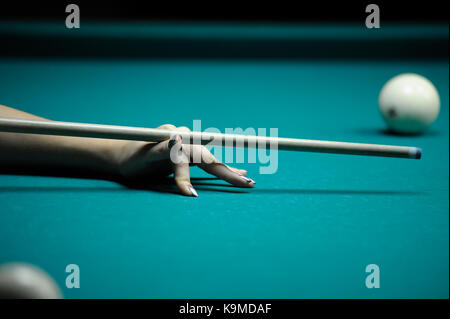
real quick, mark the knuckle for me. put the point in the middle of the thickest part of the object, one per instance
(184, 128)
(207, 156)
(167, 127)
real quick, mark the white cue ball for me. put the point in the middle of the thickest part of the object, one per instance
(25, 281)
(409, 103)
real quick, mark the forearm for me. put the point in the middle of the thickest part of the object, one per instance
(30, 150)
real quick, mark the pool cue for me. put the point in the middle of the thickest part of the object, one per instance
(203, 138)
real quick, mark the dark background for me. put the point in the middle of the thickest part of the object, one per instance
(293, 11)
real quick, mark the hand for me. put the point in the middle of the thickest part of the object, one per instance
(143, 160)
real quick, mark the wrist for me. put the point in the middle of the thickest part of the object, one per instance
(120, 156)
(104, 155)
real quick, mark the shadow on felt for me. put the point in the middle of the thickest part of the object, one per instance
(387, 132)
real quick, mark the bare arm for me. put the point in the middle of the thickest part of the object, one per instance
(91, 154)
(108, 158)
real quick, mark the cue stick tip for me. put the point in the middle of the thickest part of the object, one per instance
(417, 154)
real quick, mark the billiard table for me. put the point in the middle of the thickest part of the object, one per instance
(307, 231)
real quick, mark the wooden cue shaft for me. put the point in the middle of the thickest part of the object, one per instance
(234, 140)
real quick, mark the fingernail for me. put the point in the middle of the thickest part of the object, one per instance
(248, 180)
(173, 140)
(193, 191)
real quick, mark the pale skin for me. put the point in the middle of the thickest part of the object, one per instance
(124, 160)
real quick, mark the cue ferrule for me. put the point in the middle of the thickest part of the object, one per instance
(204, 138)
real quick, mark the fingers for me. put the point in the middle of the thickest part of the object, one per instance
(162, 149)
(204, 159)
(224, 172)
(168, 127)
(237, 170)
(200, 156)
(214, 167)
(182, 179)
(180, 163)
